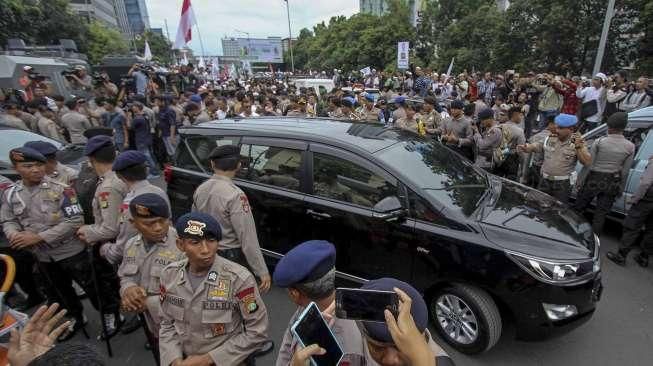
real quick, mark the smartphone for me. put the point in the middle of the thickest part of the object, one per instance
(311, 328)
(365, 305)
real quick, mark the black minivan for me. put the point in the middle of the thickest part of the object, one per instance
(483, 250)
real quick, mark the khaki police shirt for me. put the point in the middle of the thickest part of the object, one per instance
(407, 124)
(485, 145)
(370, 115)
(48, 128)
(113, 251)
(13, 121)
(224, 317)
(64, 174)
(559, 157)
(31, 121)
(222, 199)
(106, 208)
(645, 182)
(611, 154)
(345, 331)
(142, 266)
(461, 128)
(50, 210)
(76, 123)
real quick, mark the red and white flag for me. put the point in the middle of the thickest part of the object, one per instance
(186, 23)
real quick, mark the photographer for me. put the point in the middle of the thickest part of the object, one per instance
(115, 119)
(550, 101)
(140, 125)
(104, 88)
(140, 79)
(79, 79)
(616, 92)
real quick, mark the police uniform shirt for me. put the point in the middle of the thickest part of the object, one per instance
(51, 210)
(645, 183)
(113, 251)
(517, 136)
(13, 121)
(224, 317)
(538, 156)
(48, 128)
(485, 145)
(202, 117)
(228, 204)
(106, 208)
(345, 331)
(461, 128)
(611, 154)
(559, 157)
(407, 124)
(30, 120)
(433, 121)
(64, 174)
(370, 115)
(76, 123)
(142, 266)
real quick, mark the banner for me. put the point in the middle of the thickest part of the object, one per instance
(450, 67)
(402, 55)
(261, 50)
(366, 71)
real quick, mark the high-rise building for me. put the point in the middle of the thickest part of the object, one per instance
(100, 10)
(230, 47)
(285, 44)
(381, 7)
(121, 17)
(139, 19)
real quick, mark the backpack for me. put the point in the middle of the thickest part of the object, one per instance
(500, 153)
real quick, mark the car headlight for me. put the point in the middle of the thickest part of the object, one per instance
(556, 272)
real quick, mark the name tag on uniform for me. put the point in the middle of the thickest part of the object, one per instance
(174, 300)
(216, 305)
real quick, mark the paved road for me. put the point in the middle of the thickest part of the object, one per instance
(620, 333)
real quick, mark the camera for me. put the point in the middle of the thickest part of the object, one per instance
(69, 73)
(98, 79)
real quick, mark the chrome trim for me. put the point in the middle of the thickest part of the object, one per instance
(339, 274)
(531, 271)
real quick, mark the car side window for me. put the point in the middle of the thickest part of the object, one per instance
(185, 159)
(345, 181)
(201, 147)
(276, 166)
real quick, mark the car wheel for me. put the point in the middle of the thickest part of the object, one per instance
(466, 317)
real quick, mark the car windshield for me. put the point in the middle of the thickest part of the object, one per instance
(10, 139)
(450, 179)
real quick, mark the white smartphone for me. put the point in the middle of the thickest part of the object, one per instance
(310, 329)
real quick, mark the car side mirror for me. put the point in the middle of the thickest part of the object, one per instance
(389, 209)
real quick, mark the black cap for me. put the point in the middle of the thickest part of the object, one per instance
(225, 152)
(128, 159)
(96, 143)
(149, 205)
(618, 120)
(486, 113)
(26, 155)
(457, 104)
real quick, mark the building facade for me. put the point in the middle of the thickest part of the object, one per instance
(100, 10)
(137, 14)
(121, 17)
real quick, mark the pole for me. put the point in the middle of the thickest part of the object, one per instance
(107, 339)
(197, 25)
(609, 13)
(172, 52)
(292, 59)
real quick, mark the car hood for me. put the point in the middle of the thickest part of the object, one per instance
(529, 221)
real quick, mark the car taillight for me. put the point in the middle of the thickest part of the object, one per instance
(167, 173)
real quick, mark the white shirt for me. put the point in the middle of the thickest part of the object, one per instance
(591, 93)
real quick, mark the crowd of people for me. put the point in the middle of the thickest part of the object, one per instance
(201, 302)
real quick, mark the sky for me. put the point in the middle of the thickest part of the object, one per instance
(261, 18)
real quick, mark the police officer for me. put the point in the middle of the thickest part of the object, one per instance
(368, 111)
(605, 178)
(561, 152)
(532, 169)
(432, 118)
(456, 131)
(411, 121)
(640, 214)
(513, 136)
(53, 168)
(130, 167)
(308, 272)
(75, 122)
(211, 311)
(42, 215)
(401, 341)
(146, 254)
(484, 144)
(222, 199)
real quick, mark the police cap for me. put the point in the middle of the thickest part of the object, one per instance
(379, 331)
(149, 205)
(225, 152)
(306, 262)
(485, 114)
(95, 143)
(44, 147)
(26, 155)
(457, 104)
(128, 159)
(618, 120)
(565, 120)
(197, 225)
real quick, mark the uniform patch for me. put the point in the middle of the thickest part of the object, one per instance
(142, 211)
(70, 207)
(244, 202)
(217, 329)
(216, 305)
(162, 293)
(195, 228)
(248, 299)
(216, 294)
(174, 300)
(213, 275)
(103, 197)
(17, 156)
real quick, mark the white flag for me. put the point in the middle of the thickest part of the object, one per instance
(450, 67)
(366, 71)
(201, 63)
(184, 60)
(215, 69)
(186, 23)
(147, 54)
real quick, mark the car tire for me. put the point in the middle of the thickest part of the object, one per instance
(466, 317)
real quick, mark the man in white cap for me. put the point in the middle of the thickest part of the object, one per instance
(593, 99)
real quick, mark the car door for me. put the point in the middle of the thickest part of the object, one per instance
(639, 165)
(344, 188)
(273, 177)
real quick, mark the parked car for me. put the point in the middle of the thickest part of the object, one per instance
(481, 249)
(640, 132)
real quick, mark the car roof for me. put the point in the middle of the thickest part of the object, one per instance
(641, 117)
(366, 137)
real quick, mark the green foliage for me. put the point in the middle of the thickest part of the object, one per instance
(159, 45)
(103, 41)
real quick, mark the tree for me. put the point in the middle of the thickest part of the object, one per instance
(159, 46)
(103, 41)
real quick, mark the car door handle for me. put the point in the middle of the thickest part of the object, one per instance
(321, 215)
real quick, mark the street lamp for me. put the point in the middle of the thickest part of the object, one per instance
(292, 59)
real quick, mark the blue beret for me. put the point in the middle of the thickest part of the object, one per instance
(566, 120)
(127, 159)
(400, 99)
(149, 205)
(486, 113)
(305, 263)
(349, 101)
(25, 155)
(44, 147)
(95, 143)
(419, 310)
(199, 226)
(196, 98)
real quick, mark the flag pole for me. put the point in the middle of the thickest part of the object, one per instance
(197, 25)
